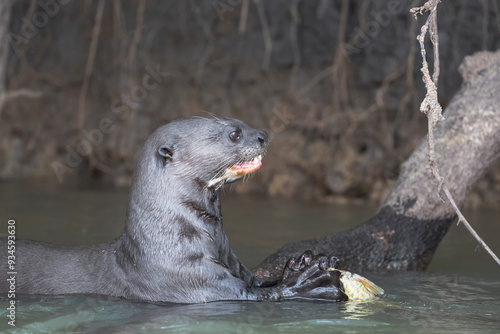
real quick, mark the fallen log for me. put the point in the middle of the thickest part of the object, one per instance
(412, 221)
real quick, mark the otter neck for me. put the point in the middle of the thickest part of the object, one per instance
(155, 220)
(206, 207)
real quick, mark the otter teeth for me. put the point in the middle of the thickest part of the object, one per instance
(236, 171)
(257, 159)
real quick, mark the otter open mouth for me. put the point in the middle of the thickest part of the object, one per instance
(245, 167)
(238, 170)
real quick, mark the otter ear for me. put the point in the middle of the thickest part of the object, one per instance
(166, 152)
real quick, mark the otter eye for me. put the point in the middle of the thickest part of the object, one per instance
(235, 135)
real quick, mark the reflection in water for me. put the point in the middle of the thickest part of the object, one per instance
(358, 309)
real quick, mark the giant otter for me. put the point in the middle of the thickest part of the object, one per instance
(173, 247)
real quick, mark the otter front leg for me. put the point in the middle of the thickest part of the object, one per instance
(253, 280)
(246, 275)
(306, 277)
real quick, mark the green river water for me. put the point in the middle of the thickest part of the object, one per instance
(460, 293)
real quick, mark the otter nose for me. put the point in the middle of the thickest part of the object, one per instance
(263, 138)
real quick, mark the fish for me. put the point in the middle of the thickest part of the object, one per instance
(357, 287)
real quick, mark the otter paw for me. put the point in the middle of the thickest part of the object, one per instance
(307, 277)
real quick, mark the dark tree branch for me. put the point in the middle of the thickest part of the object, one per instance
(411, 222)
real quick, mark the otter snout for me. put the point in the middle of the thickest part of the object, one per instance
(262, 138)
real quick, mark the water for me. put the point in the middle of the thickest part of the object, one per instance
(460, 293)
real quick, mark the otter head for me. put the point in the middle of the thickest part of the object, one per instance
(208, 151)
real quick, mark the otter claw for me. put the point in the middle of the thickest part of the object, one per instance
(290, 264)
(298, 264)
(333, 262)
(322, 262)
(306, 258)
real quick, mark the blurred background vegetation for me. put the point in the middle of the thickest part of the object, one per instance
(336, 84)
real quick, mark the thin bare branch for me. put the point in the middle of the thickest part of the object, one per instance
(341, 99)
(243, 17)
(431, 107)
(268, 43)
(137, 32)
(16, 94)
(130, 122)
(90, 63)
(4, 51)
(464, 221)
(295, 44)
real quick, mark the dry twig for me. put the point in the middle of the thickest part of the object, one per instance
(243, 17)
(90, 63)
(339, 67)
(431, 107)
(8, 95)
(137, 33)
(268, 42)
(18, 93)
(130, 125)
(295, 44)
